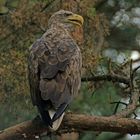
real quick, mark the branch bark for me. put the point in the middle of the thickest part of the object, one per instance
(113, 78)
(72, 122)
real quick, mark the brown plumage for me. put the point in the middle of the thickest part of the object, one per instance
(55, 67)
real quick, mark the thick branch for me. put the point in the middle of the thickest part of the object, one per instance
(113, 78)
(72, 122)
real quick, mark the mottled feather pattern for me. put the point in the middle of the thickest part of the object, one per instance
(57, 59)
(54, 69)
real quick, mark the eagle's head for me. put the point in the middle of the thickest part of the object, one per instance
(66, 18)
(71, 22)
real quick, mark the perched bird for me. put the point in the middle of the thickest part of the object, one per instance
(55, 67)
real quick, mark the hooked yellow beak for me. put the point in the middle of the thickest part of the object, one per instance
(76, 19)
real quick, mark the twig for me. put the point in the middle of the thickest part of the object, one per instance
(135, 115)
(131, 77)
(135, 70)
(119, 102)
(117, 105)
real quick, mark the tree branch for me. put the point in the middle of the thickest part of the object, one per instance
(72, 122)
(113, 78)
(130, 109)
(134, 98)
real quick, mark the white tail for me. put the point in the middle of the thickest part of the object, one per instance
(57, 122)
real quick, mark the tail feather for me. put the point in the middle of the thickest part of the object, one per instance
(59, 111)
(57, 122)
(45, 116)
(52, 118)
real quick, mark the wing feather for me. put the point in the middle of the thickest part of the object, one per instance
(54, 70)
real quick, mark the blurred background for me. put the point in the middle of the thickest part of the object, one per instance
(111, 39)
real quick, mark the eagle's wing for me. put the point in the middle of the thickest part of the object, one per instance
(54, 71)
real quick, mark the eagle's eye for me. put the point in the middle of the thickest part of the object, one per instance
(68, 14)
